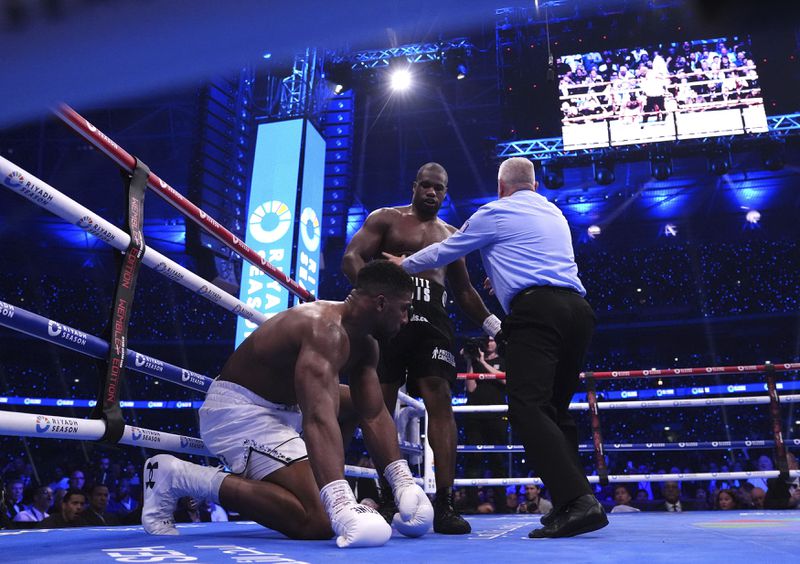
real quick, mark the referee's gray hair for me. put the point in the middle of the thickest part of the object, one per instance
(516, 171)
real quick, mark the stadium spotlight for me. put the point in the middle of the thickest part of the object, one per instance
(594, 231)
(660, 166)
(399, 74)
(455, 63)
(553, 175)
(340, 75)
(753, 217)
(604, 171)
(719, 159)
(671, 230)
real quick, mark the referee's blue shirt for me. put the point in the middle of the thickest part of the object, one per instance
(524, 241)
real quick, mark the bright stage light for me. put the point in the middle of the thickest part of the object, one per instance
(400, 80)
(753, 216)
(670, 230)
(594, 231)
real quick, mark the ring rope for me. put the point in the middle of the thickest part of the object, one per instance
(47, 197)
(644, 404)
(125, 160)
(630, 478)
(362, 472)
(414, 403)
(34, 425)
(23, 321)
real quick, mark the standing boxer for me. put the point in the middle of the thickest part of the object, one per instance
(422, 353)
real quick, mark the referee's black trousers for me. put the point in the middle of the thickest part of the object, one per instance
(548, 332)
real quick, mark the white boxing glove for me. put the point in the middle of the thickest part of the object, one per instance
(355, 525)
(415, 512)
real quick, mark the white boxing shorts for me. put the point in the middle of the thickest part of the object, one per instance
(250, 435)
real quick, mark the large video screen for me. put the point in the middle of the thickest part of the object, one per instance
(661, 92)
(271, 210)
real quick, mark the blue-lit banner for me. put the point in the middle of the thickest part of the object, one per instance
(678, 393)
(136, 404)
(271, 217)
(306, 266)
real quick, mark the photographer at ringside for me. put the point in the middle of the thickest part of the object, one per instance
(481, 356)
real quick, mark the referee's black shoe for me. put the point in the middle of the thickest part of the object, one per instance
(582, 515)
(549, 517)
(446, 520)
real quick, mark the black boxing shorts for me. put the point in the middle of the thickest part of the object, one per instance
(424, 347)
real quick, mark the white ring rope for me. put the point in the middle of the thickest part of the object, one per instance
(56, 427)
(645, 404)
(418, 405)
(362, 472)
(630, 478)
(45, 196)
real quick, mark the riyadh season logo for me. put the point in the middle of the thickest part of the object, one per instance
(310, 230)
(42, 424)
(192, 377)
(270, 221)
(53, 329)
(14, 179)
(191, 442)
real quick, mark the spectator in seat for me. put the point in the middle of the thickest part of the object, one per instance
(726, 500)
(70, 513)
(97, 513)
(622, 500)
(42, 501)
(534, 502)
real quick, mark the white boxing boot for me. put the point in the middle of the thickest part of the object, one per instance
(166, 479)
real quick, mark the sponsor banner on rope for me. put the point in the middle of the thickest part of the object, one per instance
(191, 442)
(61, 332)
(138, 434)
(271, 217)
(19, 181)
(92, 226)
(7, 310)
(50, 425)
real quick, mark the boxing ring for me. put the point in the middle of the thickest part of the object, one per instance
(687, 535)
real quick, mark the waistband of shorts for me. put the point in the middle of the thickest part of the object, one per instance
(222, 386)
(533, 289)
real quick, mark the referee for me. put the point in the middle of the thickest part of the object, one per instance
(526, 247)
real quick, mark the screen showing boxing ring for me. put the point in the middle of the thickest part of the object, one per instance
(288, 164)
(663, 92)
